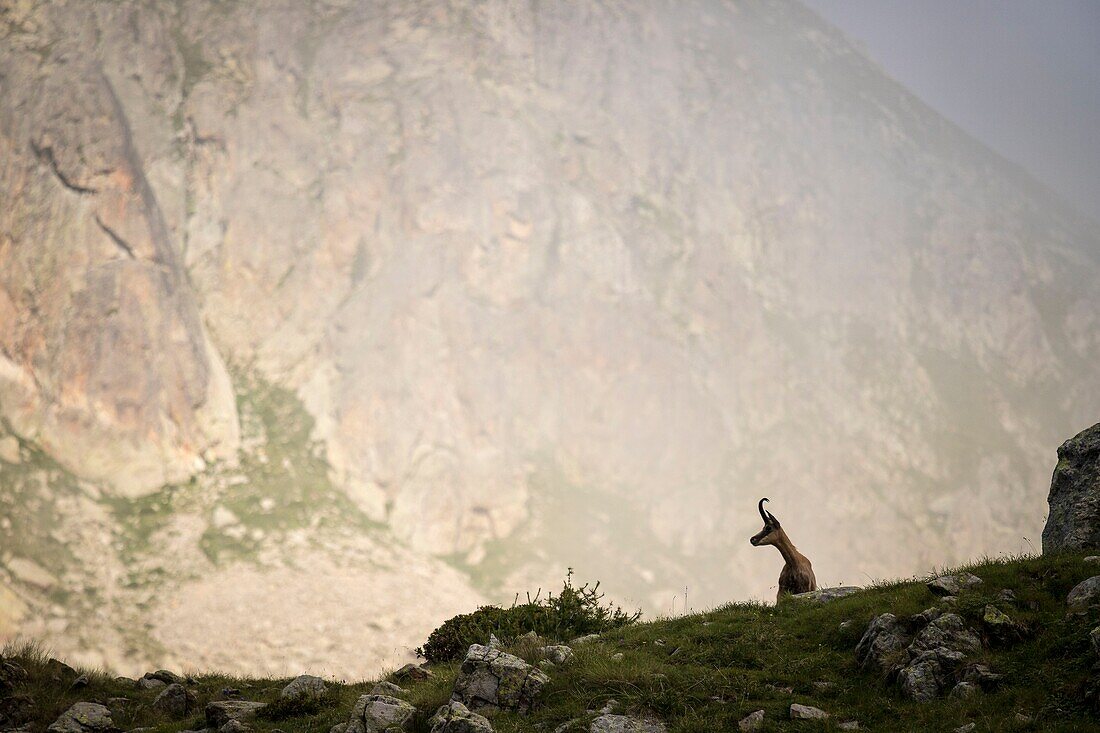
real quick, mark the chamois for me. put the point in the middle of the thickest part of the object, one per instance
(797, 575)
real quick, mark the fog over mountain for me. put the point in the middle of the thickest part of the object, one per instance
(332, 319)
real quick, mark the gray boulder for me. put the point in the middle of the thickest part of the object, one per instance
(883, 644)
(752, 721)
(388, 688)
(380, 714)
(964, 690)
(491, 679)
(454, 717)
(1085, 594)
(824, 595)
(807, 712)
(1074, 519)
(625, 724)
(925, 677)
(83, 717)
(949, 631)
(305, 686)
(220, 712)
(175, 701)
(233, 726)
(411, 673)
(953, 585)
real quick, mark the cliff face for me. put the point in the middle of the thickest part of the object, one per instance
(558, 284)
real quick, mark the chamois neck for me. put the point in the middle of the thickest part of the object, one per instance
(786, 548)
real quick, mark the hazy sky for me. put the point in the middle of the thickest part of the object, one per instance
(1022, 76)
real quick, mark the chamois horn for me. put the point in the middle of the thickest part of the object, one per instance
(760, 507)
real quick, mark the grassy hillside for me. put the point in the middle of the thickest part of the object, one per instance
(707, 671)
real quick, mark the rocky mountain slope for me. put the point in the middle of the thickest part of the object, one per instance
(301, 293)
(1011, 651)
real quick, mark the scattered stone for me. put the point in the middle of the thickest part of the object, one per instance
(824, 595)
(454, 717)
(129, 682)
(586, 639)
(530, 638)
(1093, 559)
(953, 585)
(388, 688)
(83, 717)
(175, 701)
(304, 686)
(81, 681)
(966, 728)
(824, 686)
(491, 679)
(166, 677)
(848, 725)
(1023, 718)
(948, 631)
(922, 679)
(625, 724)
(927, 616)
(220, 712)
(982, 676)
(148, 683)
(752, 721)
(234, 726)
(230, 692)
(846, 624)
(882, 643)
(807, 712)
(380, 714)
(1085, 594)
(1073, 522)
(964, 690)
(58, 671)
(1000, 627)
(558, 653)
(949, 601)
(1007, 596)
(411, 672)
(617, 657)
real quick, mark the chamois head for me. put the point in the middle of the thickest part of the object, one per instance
(770, 533)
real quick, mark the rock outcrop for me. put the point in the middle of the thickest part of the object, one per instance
(494, 680)
(84, 717)
(454, 717)
(380, 714)
(1074, 519)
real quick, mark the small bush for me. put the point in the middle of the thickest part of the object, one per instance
(576, 611)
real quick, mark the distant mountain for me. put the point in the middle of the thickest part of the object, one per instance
(405, 305)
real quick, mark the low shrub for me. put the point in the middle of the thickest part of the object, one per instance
(575, 611)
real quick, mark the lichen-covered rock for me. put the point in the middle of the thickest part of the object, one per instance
(220, 712)
(927, 675)
(948, 631)
(1074, 519)
(454, 717)
(953, 585)
(83, 717)
(964, 690)
(883, 643)
(625, 724)
(1084, 595)
(175, 701)
(492, 679)
(807, 712)
(306, 685)
(999, 627)
(380, 714)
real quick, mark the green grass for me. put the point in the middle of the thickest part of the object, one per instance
(704, 672)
